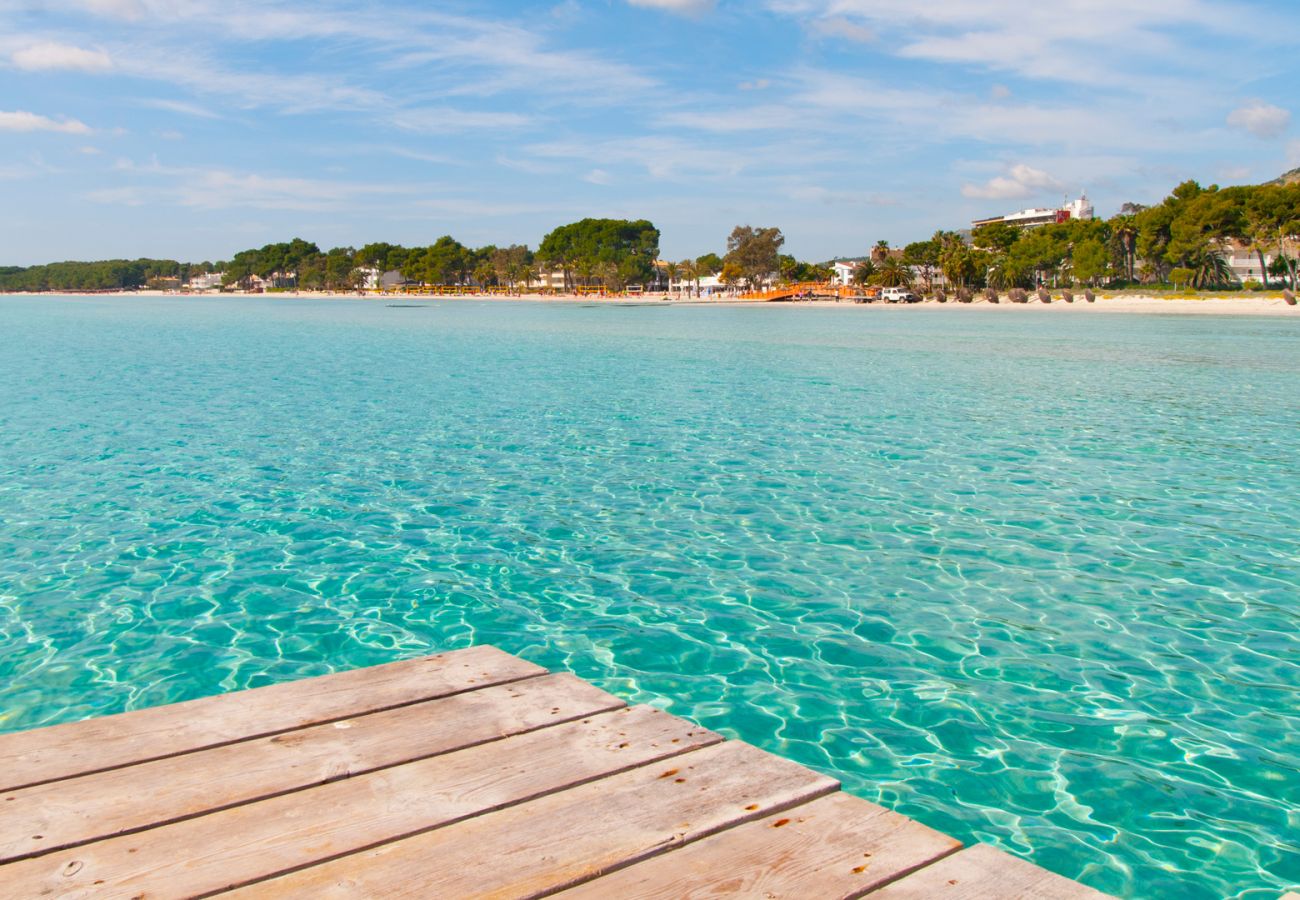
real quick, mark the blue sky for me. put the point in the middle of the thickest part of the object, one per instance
(194, 128)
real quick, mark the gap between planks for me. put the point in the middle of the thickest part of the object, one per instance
(254, 842)
(57, 752)
(75, 811)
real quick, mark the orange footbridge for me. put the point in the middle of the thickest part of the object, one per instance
(818, 290)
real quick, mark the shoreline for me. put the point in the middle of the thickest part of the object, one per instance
(1150, 304)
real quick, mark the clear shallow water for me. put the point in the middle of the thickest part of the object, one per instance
(1032, 579)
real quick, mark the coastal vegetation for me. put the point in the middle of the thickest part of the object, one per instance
(102, 275)
(1182, 242)
(614, 252)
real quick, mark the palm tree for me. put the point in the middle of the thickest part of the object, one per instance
(864, 272)
(608, 274)
(1125, 230)
(673, 271)
(880, 252)
(690, 272)
(892, 273)
(1210, 270)
(584, 271)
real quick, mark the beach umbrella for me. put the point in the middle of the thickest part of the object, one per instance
(1288, 297)
(1044, 296)
(1089, 296)
(1067, 296)
(964, 295)
(991, 295)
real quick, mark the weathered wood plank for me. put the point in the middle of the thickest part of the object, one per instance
(566, 838)
(63, 751)
(983, 872)
(74, 811)
(245, 843)
(837, 846)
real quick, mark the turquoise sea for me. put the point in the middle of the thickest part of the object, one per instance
(1032, 579)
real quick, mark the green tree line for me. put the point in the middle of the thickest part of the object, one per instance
(103, 275)
(1185, 240)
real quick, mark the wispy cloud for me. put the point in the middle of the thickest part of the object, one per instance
(27, 121)
(219, 188)
(840, 27)
(445, 120)
(1096, 42)
(182, 107)
(52, 56)
(681, 7)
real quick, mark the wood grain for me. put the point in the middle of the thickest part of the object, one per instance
(983, 872)
(835, 847)
(239, 845)
(564, 839)
(78, 748)
(73, 811)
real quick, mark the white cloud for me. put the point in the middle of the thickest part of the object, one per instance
(26, 121)
(119, 9)
(473, 56)
(50, 56)
(661, 157)
(1021, 181)
(211, 189)
(122, 196)
(180, 106)
(1261, 119)
(681, 7)
(443, 120)
(597, 176)
(1092, 42)
(840, 27)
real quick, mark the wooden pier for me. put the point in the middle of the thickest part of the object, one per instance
(468, 774)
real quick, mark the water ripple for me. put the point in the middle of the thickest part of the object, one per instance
(1031, 580)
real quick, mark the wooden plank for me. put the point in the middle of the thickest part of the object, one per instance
(983, 872)
(78, 748)
(564, 839)
(259, 840)
(838, 846)
(73, 811)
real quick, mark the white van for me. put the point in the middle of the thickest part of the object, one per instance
(898, 295)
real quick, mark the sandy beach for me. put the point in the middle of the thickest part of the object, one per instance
(1245, 305)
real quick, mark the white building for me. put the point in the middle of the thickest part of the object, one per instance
(843, 271)
(1245, 264)
(1039, 216)
(209, 282)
